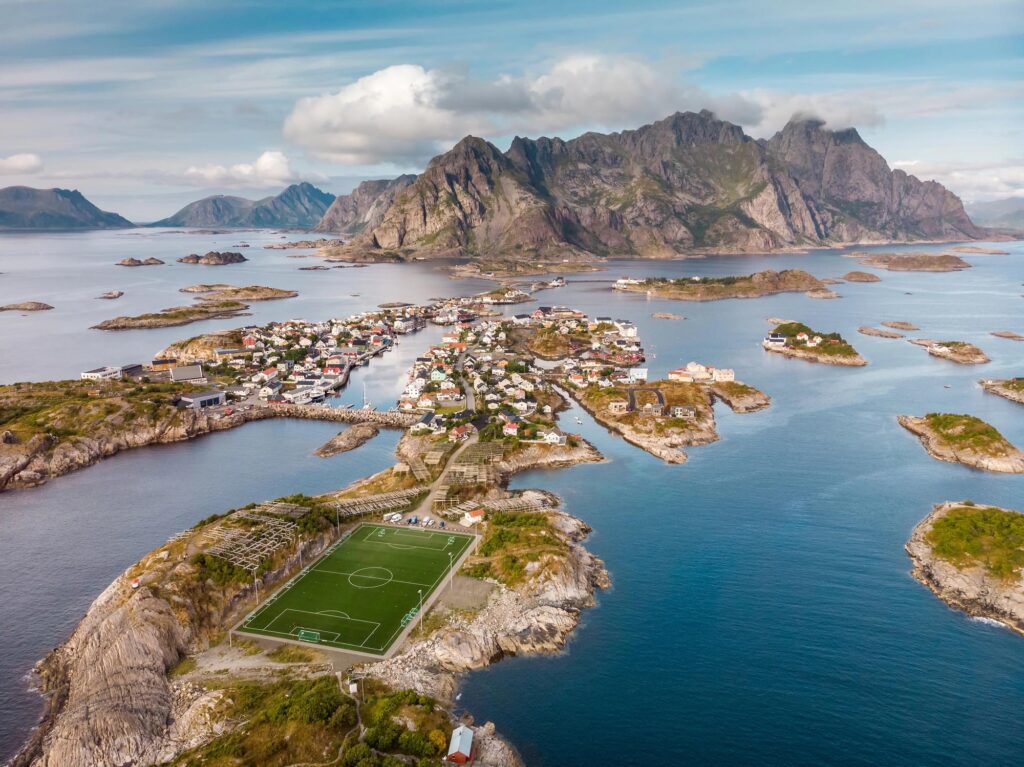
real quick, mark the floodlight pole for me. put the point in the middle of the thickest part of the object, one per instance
(451, 570)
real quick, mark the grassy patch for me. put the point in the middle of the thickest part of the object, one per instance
(287, 653)
(991, 538)
(513, 540)
(279, 724)
(968, 432)
(68, 409)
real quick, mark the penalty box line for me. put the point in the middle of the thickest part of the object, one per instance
(375, 624)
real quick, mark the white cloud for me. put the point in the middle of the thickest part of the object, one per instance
(18, 164)
(271, 168)
(975, 182)
(407, 113)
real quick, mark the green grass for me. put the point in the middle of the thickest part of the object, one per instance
(364, 590)
(512, 540)
(278, 724)
(975, 535)
(968, 432)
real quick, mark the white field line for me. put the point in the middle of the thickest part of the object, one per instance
(429, 591)
(375, 578)
(336, 634)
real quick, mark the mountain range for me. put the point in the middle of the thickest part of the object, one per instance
(688, 182)
(300, 206)
(1007, 213)
(22, 207)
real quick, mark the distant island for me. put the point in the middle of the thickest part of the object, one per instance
(794, 339)
(971, 557)
(1008, 388)
(959, 352)
(856, 276)
(175, 315)
(213, 258)
(223, 292)
(22, 207)
(26, 306)
(136, 262)
(965, 439)
(900, 325)
(214, 302)
(914, 262)
(299, 206)
(764, 283)
(878, 332)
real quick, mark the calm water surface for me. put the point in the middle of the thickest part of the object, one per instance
(762, 611)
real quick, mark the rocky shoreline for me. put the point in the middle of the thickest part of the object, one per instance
(812, 356)
(867, 330)
(350, 439)
(1007, 460)
(42, 458)
(668, 447)
(757, 285)
(971, 590)
(111, 700)
(26, 306)
(1002, 388)
(913, 262)
(739, 397)
(959, 352)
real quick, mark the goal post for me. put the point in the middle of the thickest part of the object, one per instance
(309, 636)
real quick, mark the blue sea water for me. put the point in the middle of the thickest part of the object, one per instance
(762, 610)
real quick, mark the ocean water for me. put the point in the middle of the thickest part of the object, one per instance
(762, 610)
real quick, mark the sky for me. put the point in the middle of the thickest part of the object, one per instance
(145, 105)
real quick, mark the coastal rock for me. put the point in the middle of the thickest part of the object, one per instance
(992, 454)
(960, 352)
(878, 332)
(1011, 388)
(44, 457)
(900, 325)
(1009, 335)
(136, 262)
(350, 439)
(109, 681)
(536, 617)
(970, 589)
(26, 306)
(110, 295)
(861, 277)
(739, 397)
(214, 258)
(813, 356)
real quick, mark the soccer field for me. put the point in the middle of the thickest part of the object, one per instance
(363, 591)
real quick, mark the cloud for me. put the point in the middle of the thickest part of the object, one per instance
(271, 168)
(974, 182)
(18, 164)
(406, 113)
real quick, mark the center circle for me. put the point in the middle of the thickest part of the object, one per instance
(371, 577)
